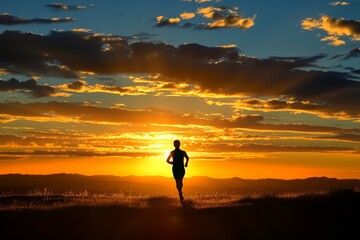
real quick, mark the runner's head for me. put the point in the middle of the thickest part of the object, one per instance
(177, 143)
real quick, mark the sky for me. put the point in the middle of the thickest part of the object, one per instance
(252, 89)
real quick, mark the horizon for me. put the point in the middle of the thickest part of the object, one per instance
(170, 177)
(265, 90)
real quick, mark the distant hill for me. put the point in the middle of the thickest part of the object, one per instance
(18, 183)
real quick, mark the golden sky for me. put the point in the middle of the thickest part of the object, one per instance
(81, 94)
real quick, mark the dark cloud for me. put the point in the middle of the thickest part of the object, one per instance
(353, 53)
(299, 106)
(78, 85)
(142, 36)
(29, 86)
(343, 137)
(30, 55)
(39, 69)
(197, 51)
(356, 71)
(60, 6)
(7, 19)
(10, 158)
(216, 70)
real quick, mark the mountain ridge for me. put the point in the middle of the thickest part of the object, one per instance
(62, 182)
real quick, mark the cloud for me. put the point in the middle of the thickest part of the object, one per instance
(254, 148)
(201, 1)
(7, 19)
(338, 3)
(343, 137)
(321, 109)
(81, 86)
(81, 112)
(266, 148)
(187, 15)
(60, 6)
(212, 70)
(335, 28)
(197, 51)
(143, 36)
(7, 140)
(164, 21)
(76, 153)
(29, 86)
(334, 40)
(84, 113)
(78, 85)
(219, 17)
(62, 140)
(34, 54)
(353, 53)
(11, 158)
(56, 144)
(356, 71)
(224, 17)
(130, 90)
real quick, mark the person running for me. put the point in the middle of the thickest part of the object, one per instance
(178, 169)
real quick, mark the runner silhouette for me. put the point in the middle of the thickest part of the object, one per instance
(178, 169)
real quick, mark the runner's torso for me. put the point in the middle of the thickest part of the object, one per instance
(178, 158)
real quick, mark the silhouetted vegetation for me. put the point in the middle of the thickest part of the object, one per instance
(83, 215)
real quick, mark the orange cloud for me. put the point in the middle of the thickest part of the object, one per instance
(60, 6)
(78, 112)
(200, 1)
(220, 17)
(223, 17)
(335, 28)
(233, 21)
(258, 148)
(187, 15)
(334, 40)
(81, 86)
(338, 3)
(164, 21)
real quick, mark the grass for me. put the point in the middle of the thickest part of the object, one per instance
(43, 214)
(46, 199)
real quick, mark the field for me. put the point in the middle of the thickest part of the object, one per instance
(44, 214)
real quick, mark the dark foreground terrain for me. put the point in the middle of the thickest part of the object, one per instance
(333, 215)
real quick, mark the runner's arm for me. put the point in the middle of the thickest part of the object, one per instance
(168, 158)
(187, 159)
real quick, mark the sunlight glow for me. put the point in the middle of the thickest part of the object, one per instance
(166, 154)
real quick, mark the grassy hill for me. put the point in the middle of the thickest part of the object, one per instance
(313, 216)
